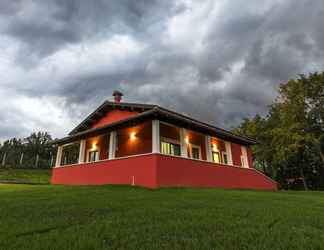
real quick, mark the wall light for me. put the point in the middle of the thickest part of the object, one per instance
(187, 139)
(94, 145)
(133, 136)
(215, 147)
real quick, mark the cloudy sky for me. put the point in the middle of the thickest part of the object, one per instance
(218, 61)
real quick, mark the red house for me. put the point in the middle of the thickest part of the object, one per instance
(150, 146)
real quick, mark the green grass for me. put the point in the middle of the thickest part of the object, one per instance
(117, 217)
(26, 176)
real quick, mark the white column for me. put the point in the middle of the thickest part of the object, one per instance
(245, 157)
(82, 151)
(59, 156)
(184, 146)
(155, 136)
(112, 145)
(228, 148)
(209, 154)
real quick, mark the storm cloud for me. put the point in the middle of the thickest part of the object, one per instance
(219, 61)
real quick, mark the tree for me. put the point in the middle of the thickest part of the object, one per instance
(34, 151)
(291, 136)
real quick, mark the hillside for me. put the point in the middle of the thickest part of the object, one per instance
(26, 176)
(110, 217)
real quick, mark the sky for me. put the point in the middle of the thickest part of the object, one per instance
(218, 61)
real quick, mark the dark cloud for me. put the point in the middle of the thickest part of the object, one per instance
(217, 61)
(45, 26)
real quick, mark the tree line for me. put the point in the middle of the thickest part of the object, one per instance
(291, 135)
(34, 151)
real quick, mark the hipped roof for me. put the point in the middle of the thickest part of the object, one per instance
(148, 112)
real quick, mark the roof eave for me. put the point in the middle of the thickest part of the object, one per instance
(167, 115)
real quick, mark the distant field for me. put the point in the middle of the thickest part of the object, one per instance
(27, 176)
(117, 217)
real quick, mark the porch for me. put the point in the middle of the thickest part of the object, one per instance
(154, 137)
(156, 154)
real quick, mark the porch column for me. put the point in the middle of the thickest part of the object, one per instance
(209, 154)
(245, 157)
(155, 136)
(228, 149)
(112, 145)
(82, 151)
(59, 156)
(183, 143)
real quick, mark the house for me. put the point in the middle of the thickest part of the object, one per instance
(150, 146)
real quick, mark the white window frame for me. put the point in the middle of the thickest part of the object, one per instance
(169, 140)
(220, 157)
(93, 150)
(191, 146)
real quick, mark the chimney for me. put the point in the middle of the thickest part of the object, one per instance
(118, 96)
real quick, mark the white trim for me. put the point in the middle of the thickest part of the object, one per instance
(82, 151)
(244, 157)
(59, 156)
(209, 155)
(156, 136)
(112, 145)
(183, 143)
(228, 148)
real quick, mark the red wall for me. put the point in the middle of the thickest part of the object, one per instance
(118, 171)
(142, 144)
(157, 170)
(114, 116)
(236, 154)
(172, 171)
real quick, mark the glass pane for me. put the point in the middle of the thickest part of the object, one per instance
(195, 153)
(225, 158)
(170, 148)
(176, 149)
(165, 148)
(216, 157)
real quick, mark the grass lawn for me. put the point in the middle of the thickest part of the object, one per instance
(117, 217)
(29, 176)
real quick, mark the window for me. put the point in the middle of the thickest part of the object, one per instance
(170, 148)
(93, 156)
(216, 157)
(195, 154)
(225, 160)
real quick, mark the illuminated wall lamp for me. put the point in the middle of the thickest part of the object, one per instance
(133, 136)
(94, 145)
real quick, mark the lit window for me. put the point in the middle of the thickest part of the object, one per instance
(93, 156)
(216, 157)
(170, 148)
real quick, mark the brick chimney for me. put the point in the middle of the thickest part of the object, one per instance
(118, 96)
